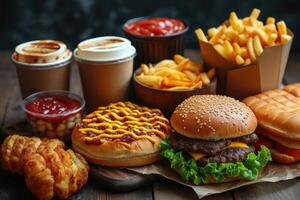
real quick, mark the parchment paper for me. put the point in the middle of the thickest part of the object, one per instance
(272, 173)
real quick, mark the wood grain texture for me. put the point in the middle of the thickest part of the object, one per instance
(120, 180)
(166, 189)
(11, 186)
(7, 83)
(265, 191)
(94, 191)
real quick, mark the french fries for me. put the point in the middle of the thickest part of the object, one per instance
(239, 60)
(178, 74)
(250, 49)
(270, 20)
(242, 40)
(255, 13)
(200, 34)
(257, 46)
(281, 28)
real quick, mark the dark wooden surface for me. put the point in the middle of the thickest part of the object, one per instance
(12, 187)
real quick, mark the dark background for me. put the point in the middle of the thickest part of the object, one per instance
(72, 21)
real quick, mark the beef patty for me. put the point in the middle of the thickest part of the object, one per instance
(207, 147)
(227, 156)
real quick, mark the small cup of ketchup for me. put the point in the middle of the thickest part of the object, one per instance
(156, 38)
(53, 114)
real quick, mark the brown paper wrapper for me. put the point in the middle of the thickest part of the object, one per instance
(265, 73)
(271, 173)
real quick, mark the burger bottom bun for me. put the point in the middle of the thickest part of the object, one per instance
(283, 158)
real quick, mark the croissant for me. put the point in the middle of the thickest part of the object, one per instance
(49, 169)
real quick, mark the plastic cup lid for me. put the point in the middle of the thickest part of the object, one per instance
(104, 49)
(41, 53)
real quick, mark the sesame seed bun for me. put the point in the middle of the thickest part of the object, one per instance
(213, 117)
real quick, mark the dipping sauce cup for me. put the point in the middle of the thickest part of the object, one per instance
(53, 114)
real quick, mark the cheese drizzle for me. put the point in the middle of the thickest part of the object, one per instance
(122, 119)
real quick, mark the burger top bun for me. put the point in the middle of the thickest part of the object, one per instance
(213, 117)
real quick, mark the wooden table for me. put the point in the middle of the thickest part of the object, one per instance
(12, 187)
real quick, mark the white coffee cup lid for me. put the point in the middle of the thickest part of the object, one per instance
(104, 49)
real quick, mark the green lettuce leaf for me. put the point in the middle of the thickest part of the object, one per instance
(190, 171)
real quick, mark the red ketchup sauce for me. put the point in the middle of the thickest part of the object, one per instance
(51, 105)
(155, 27)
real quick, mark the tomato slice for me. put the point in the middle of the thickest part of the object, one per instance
(263, 141)
(288, 151)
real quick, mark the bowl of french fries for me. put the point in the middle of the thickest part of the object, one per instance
(249, 55)
(167, 83)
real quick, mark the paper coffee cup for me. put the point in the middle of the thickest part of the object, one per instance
(106, 67)
(42, 65)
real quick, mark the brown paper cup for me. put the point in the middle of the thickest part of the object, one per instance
(36, 78)
(105, 66)
(104, 83)
(242, 81)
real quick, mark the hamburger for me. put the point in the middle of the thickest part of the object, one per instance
(214, 141)
(278, 115)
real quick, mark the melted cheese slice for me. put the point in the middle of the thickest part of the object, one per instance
(198, 156)
(238, 145)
